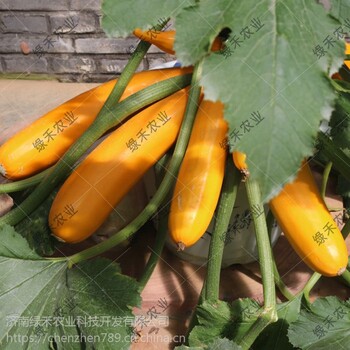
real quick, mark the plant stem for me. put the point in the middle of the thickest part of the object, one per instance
(325, 177)
(266, 317)
(280, 284)
(158, 245)
(269, 313)
(160, 168)
(125, 108)
(222, 219)
(309, 285)
(263, 242)
(124, 78)
(278, 280)
(21, 185)
(165, 186)
(346, 277)
(339, 159)
(127, 73)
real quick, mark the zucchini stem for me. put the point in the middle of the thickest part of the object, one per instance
(346, 277)
(309, 285)
(158, 245)
(266, 317)
(160, 168)
(277, 277)
(269, 313)
(222, 219)
(25, 183)
(263, 242)
(280, 284)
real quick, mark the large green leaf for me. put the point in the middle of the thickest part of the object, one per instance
(325, 327)
(42, 302)
(121, 17)
(272, 73)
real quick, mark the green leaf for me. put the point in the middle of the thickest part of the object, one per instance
(98, 291)
(326, 326)
(221, 320)
(12, 245)
(35, 228)
(41, 302)
(274, 87)
(274, 336)
(121, 17)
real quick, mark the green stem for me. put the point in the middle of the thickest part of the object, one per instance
(269, 313)
(158, 246)
(217, 243)
(280, 284)
(346, 277)
(270, 220)
(266, 317)
(325, 177)
(309, 285)
(125, 108)
(263, 243)
(127, 73)
(21, 185)
(165, 186)
(339, 159)
(159, 169)
(124, 78)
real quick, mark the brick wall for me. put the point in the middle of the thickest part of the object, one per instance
(64, 39)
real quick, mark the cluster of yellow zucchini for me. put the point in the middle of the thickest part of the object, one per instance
(106, 175)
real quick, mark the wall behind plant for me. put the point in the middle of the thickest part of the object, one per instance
(63, 39)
